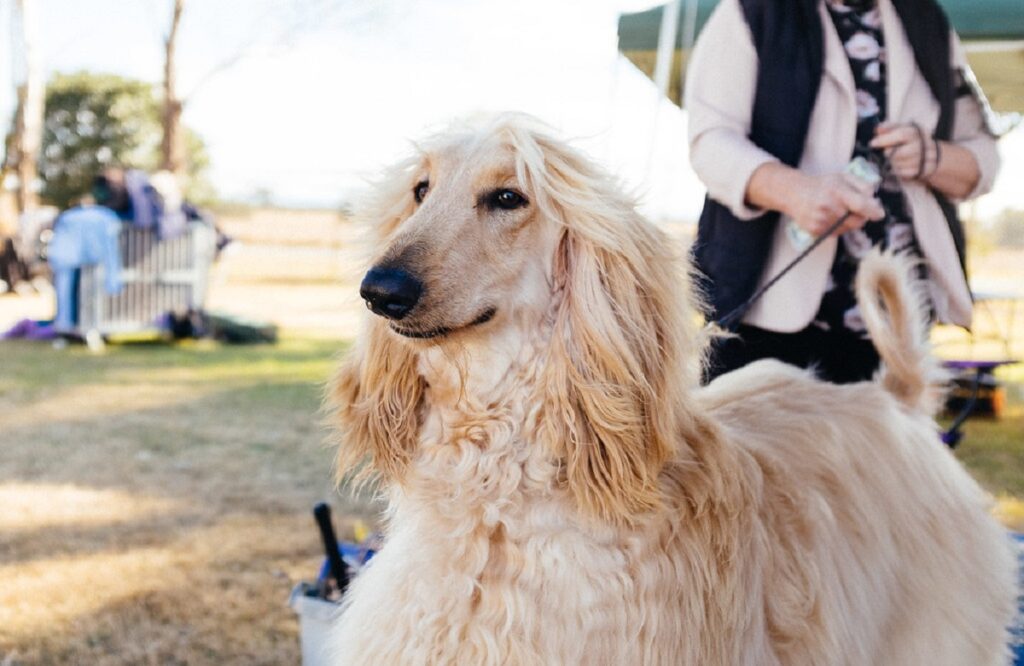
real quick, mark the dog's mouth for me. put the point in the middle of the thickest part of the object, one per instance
(441, 331)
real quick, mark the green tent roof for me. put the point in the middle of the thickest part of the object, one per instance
(999, 67)
(973, 20)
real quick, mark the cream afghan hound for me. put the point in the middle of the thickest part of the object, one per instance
(562, 491)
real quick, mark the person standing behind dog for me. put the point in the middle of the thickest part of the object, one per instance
(782, 94)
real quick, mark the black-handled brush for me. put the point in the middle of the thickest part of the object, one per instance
(322, 514)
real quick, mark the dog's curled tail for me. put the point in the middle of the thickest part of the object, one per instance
(894, 309)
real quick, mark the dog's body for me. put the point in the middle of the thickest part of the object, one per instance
(562, 493)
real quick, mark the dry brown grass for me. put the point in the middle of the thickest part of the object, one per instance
(155, 501)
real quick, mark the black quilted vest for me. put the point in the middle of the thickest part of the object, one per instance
(789, 39)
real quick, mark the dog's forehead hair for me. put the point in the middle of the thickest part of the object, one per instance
(460, 173)
(480, 161)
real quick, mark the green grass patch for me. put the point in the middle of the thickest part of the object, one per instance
(993, 449)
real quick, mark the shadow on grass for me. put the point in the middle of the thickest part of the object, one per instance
(215, 595)
(203, 581)
(69, 539)
(35, 366)
(235, 446)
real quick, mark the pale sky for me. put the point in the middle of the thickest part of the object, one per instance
(327, 91)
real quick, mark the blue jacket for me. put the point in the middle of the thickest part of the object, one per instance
(83, 236)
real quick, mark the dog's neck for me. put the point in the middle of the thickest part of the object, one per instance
(477, 422)
(484, 370)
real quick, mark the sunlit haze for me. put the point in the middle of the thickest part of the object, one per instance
(305, 102)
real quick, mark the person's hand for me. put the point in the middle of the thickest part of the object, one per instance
(816, 202)
(912, 153)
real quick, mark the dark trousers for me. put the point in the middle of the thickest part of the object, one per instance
(840, 357)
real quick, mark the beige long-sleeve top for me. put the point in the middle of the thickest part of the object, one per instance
(720, 97)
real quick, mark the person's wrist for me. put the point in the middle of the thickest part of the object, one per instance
(934, 158)
(938, 157)
(765, 185)
(792, 192)
(922, 142)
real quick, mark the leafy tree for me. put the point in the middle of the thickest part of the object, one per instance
(97, 120)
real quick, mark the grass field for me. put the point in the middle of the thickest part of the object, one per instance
(156, 499)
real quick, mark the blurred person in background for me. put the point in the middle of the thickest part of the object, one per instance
(782, 95)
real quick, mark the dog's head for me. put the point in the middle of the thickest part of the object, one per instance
(504, 228)
(465, 240)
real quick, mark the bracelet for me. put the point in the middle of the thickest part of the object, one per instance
(938, 156)
(921, 159)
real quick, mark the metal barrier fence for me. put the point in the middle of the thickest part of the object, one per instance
(157, 277)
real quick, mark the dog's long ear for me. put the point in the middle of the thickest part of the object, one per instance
(625, 350)
(374, 400)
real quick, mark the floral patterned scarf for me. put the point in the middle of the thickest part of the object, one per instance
(859, 25)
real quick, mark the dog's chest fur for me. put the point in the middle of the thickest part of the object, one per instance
(487, 562)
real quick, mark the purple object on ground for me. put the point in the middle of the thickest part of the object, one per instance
(977, 365)
(28, 329)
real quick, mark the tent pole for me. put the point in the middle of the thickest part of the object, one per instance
(688, 38)
(663, 70)
(666, 45)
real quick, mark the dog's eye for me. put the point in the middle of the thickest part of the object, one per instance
(507, 200)
(420, 190)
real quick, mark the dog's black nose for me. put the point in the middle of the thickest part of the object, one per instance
(390, 292)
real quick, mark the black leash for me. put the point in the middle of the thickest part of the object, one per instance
(952, 436)
(883, 167)
(731, 318)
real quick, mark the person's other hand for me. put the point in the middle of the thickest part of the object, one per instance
(910, 151)
(816, 202)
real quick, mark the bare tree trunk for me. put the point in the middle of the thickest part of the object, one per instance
(172, 147)
(28, 134)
